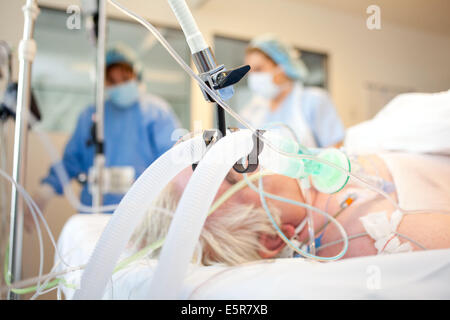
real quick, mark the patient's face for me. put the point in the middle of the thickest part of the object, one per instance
(275, 184)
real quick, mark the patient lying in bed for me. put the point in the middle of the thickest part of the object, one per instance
(239, 230)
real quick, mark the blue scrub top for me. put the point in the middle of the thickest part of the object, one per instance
(321, 115)
(135, 136)
(312, 104)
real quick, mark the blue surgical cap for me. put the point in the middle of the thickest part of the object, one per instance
(282, 55)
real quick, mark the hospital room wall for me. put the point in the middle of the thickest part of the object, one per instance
(394, 55)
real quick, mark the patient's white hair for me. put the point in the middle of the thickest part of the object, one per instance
(230, 237)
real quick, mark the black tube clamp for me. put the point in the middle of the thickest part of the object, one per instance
(208, 137)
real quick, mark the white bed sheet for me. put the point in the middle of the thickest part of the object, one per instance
(411, 122)
(416, 275)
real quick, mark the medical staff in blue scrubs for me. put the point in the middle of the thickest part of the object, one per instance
(138, 129)
(275, 79)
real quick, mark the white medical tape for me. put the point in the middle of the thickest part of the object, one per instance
(383, 231)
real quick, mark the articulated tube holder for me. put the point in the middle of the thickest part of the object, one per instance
(130, 212)
(192, 211)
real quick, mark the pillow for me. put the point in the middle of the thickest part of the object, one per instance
(412, 122)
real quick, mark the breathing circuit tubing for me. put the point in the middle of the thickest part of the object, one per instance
(35, 212)
(145, 251)
(264, 194)
(232, 113)
(215, 206)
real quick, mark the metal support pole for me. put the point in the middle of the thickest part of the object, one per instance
(27, 51)
(221, 120)
(205, 63)
(99, 161)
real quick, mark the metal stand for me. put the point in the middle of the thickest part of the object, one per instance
(218, 78)
(27, 51)
(222, 80)
(221, 121)
(99, 161)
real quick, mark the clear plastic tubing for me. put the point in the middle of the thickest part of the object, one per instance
(130, 213)
(312, 237)
(192, 212)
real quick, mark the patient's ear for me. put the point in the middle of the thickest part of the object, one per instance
(274, 244)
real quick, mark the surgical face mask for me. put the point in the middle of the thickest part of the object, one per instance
(124, 95)
(261, 83)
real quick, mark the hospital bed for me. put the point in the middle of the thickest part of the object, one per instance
(414, 275)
